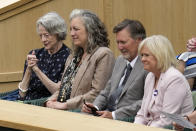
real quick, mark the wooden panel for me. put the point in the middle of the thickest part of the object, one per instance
(28, 117)
(172, 18)
(8, 86)
(10, 76)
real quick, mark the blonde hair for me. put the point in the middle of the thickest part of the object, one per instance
(162, 50)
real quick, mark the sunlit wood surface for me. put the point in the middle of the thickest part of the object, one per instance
(4, 3)
(28, 117)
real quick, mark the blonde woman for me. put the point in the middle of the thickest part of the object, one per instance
(166, 89)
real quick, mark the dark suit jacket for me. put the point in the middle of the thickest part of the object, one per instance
(131, 97)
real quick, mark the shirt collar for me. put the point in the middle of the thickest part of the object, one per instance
(132, 63)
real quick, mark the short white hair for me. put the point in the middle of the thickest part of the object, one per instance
(162, 50)
(54, 24)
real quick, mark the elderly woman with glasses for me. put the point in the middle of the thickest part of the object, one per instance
(45, 65)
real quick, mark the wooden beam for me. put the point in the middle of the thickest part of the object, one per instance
(8, 86)
(19, 7)
(10, 76)
(6, 5)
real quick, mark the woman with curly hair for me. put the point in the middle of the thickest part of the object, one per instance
(90, 65)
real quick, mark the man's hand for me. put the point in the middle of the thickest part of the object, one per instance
(105, 114)
(87, 109)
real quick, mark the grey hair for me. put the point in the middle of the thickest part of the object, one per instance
(97, 34)
(54, 24)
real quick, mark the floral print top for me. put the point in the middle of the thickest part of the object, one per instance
(52, 66)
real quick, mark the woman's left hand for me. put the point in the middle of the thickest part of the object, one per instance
(57, 105)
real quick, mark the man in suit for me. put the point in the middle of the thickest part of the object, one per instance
(123, 93)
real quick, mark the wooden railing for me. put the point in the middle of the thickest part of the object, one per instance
(28, 117)
(9, 80)
(17, 7)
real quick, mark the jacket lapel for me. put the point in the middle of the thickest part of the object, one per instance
(150, 91)
(81, 71)
(118, 74)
